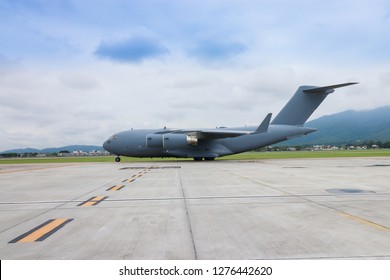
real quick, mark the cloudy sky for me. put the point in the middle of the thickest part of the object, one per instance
(75, 72)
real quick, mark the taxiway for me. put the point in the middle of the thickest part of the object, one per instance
(265, 209)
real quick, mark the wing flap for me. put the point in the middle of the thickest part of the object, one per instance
(221, 133)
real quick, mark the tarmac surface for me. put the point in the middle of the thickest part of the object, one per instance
(263, 209)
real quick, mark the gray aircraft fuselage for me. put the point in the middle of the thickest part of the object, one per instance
(209, 144)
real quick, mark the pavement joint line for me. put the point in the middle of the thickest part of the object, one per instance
(188, 198)
(188, 216)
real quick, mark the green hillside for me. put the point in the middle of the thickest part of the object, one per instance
(348, 127)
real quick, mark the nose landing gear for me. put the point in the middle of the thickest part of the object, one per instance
(206, 158)
(117, 159)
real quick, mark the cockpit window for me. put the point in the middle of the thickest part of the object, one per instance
(113, 137)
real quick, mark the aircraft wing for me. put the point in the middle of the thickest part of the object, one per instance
(219, 133)
(212, 133)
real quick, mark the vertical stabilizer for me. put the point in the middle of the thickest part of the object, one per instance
(304, 102)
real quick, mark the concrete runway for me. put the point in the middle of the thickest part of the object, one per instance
(266, 209)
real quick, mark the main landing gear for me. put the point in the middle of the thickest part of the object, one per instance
(117, 159)
(206, 158)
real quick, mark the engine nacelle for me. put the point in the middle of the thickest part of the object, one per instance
(170, 141)
(174, 141)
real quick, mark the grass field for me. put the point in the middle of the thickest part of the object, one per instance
(243, 156)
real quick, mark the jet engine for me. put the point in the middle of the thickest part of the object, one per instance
(170, 141)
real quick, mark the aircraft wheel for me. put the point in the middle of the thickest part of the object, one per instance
(209, 158)
(197, 158)
(117, 159)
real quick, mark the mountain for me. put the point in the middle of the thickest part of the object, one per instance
(338, 129)
(84, 148)
(348, 127)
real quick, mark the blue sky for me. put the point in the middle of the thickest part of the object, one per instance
(74, 72)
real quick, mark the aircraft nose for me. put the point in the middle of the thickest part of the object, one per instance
(106, 145)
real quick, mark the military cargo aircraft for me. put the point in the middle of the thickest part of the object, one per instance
(209, 144)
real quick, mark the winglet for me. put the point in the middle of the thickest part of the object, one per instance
(327, 89)
(263, 127)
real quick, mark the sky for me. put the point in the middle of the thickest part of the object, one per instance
(76, 72)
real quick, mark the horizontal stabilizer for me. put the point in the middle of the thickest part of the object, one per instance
(263, 127)
(327, 89)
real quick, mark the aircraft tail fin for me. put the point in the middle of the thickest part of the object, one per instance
(304, 102)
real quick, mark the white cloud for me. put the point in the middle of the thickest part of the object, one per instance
(217, 63)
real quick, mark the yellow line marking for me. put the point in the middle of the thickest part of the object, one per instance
(129, 180)
(364, 221)
(93, 201)
(42, 231)
(117, 187)
(88, 203)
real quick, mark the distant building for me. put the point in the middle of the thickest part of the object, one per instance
(79, 153)
(318, 147)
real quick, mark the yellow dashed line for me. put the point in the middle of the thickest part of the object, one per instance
(129, 180)
(364, 221)
(41, 232)
(116, 188)
(88, 203)
(93, 201)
